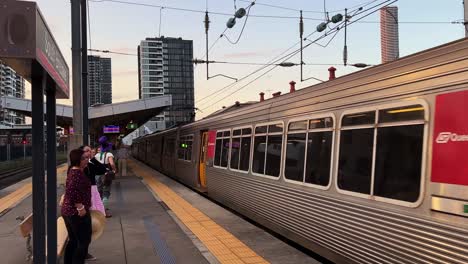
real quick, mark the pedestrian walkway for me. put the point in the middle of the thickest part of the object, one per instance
(157, 220)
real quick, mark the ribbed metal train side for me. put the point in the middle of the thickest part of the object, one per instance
(341, 227)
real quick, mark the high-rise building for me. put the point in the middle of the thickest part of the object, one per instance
(99, 80)
(165, 67)
(389, 33)
(11, 84)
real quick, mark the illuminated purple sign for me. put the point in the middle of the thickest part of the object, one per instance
(111, 129)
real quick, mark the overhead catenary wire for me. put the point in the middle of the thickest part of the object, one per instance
(248, 75)
(243, 27)
(310, 11)
(264, 16)
(89, 27)
(290, 55)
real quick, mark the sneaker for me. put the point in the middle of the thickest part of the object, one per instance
(108, 214)
(90, 257)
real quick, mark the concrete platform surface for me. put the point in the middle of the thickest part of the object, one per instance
(148, 227)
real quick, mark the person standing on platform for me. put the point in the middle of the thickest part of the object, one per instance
(75, 209)
(104, 181)
(94, 168)
(122, 156)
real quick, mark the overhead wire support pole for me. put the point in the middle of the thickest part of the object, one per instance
(77, 139)
(301, 33)
(345, 48)
(207, 27)
(84, 69)
(38, 84)
(465, 20)
(51, 171)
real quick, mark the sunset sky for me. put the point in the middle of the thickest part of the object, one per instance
(120, 27)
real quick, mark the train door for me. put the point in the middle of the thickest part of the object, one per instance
(202, 165)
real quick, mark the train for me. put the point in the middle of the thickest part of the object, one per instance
(370, 167)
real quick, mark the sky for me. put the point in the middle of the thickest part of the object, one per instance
(120, 28)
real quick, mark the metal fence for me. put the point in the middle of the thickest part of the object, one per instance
(13, 151)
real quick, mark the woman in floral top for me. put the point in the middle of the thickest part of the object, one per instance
(75, 208)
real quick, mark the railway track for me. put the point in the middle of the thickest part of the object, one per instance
(12, 176)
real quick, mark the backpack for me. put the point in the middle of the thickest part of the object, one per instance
(109, 176)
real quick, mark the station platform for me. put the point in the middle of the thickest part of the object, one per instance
(156, 220)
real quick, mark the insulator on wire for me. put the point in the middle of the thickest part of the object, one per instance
(301, 26)
(345, 55)
(207, 22)
(322, 26)
(360, 65)
(231, 22)
(337, 18)
(287, 64)
(240, 13)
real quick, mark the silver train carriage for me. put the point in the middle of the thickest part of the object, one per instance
(371, 167)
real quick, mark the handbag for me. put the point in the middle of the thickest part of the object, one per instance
(109, 176)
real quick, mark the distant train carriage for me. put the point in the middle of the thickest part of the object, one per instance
(367, 168)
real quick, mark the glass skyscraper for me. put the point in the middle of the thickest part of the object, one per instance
(99, 80)
(11, 84)
(165, 67)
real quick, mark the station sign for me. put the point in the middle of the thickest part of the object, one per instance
(25, 38)
(450, 141)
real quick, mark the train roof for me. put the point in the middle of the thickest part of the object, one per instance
(407, 64)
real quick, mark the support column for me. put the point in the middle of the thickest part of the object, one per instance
(51, 174)
(465, 21)
(38, 83)
(77, 139)
(84, 67)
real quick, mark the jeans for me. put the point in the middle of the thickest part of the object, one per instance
(104, 190)
(79, 236)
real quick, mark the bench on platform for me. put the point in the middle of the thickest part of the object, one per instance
(26, 229)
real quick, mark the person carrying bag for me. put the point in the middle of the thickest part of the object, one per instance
(104, 181)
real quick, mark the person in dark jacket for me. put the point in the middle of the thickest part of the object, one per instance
(75, 209)
(94, 168)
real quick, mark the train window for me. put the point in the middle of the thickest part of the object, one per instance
(318, 164)
(258, 163)
(299, 125)
(295, 156)
(240, 149)
(267, 150)
(406, 113)
(308, 151)
(321, 123)
(184, 152)
(235, 152)
(358, 119)
(217, 158)
(273, 157)
(222, 149)
(355, 160)
(261, 129)
(225, 152)
(275, 128)
(245, 153)
(383, 158)
(398, 162)
(246, 131)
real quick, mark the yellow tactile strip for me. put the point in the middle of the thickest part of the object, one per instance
(222, 244)
(24, 191)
